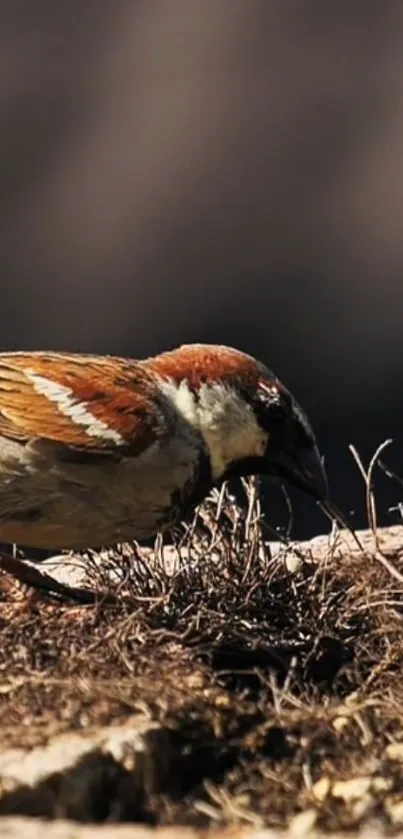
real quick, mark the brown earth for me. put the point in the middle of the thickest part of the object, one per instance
(247, 686)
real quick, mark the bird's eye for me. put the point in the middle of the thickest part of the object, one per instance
(271, 407)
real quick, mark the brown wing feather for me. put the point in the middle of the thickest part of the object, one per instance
(116, 392)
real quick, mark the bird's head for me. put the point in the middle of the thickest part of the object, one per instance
(249, 421)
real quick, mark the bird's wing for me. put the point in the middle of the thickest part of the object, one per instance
(93, 404)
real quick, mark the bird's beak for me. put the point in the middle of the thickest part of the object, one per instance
(305, 470)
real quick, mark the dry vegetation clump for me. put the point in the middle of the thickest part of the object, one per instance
(276, 676)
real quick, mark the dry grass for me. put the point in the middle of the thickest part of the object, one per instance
(268, 680)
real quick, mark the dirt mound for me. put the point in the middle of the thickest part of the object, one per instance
(247, 684)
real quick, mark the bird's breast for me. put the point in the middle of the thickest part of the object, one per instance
(58, 504)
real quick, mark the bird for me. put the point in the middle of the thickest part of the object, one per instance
(97, 450)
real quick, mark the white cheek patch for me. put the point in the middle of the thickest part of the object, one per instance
(78, 412)
(228, 426)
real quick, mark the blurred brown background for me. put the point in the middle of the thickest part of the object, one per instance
(224, 171)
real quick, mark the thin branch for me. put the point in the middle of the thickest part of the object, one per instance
(369, 490)
(371, 506)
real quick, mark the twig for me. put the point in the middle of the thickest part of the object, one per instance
(290, 523)
(251, 492)
(371, 506)
(333, 513)
(369, 491)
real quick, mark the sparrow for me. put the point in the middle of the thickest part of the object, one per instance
(99, 450)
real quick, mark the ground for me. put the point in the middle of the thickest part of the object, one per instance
(269, 676)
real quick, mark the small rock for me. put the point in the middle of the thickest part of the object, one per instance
(303, 823)
(321, 789)
(381, 784)
(394, 751)
(292, 563)
(340, 723)
(394, 810)
(352, 789)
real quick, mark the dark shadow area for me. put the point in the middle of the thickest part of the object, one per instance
(229, 174)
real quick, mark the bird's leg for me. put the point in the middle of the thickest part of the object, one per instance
(30, 576)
